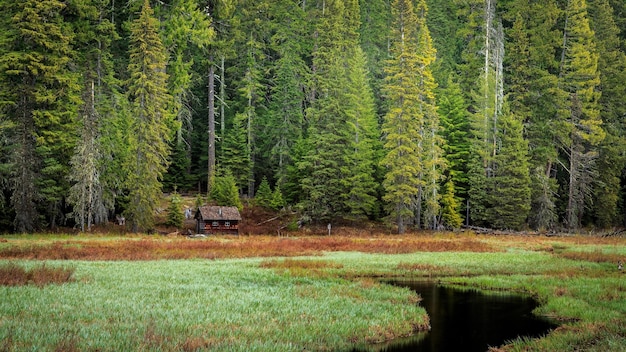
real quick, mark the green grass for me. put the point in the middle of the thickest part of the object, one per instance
(230, 305)
(330, 302)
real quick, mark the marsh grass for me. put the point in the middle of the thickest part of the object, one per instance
(313, 293)
(229, 305)
(12, 274)
(221, 247)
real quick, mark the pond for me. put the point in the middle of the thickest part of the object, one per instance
(468, 320)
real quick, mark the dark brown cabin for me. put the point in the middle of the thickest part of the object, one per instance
(217, 219)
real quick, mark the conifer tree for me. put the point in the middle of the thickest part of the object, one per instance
(363, 153)
(450, 207)
(40, 96)
(432, 157)
(284, 122)
(89, 193)
(326, 132)
(150, 132)
(187, 30)
(455, 132)
(532, 77)
(579, 78)
(510, 200)
(340, 120)
(263, 196)
(175, 216)
(401, 125)
(612, 68)
(224, 192)
(277, 201)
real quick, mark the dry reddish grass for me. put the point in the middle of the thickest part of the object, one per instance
(14, 275)
(156, 247)
(300, 264)
(595, 256)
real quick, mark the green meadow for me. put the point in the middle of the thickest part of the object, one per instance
(331, 301)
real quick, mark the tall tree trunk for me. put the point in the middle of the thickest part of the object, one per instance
(211, 123)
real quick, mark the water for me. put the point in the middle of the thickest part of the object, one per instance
(468, 320)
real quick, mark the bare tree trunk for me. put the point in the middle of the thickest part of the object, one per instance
(222, 98)
(211, 123)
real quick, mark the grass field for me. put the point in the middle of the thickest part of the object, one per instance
(311, 293)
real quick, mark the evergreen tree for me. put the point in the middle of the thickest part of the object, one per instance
(328, 139)
(341, 120)
(224, 192)
(277, 202)
(450, 207)
(432, 157)
(455, 132)
(285, 118)
(487, 104)
(404, 122)
(580, 79)
(375, 33)
(186, 30)
(363, 155)
(263, 196)
(175, 216)
(612, 156)
(88, 194)
(532, 77)
(235, 152)
(150, 132)
(40, 97)
(510, 201)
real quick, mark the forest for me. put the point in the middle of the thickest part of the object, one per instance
(506, 114)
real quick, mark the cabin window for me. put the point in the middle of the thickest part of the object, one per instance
(227, 223)
(215, 224)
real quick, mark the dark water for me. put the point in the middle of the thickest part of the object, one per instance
(467, 320)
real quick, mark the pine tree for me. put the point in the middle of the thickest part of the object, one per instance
(277, 202)
(580, 79)
(224, 192)
(150, 132)
(340, 119)
(285, 118)
(89, 192)
(363, 153)
(612, 68)
(40, 97)
(532, 77)
(487, 104)
(450, 207)
(186, 31)
(455, 132)
(510, 201)
(432, 157)
(404, 122)
(175, 216)
(328, 139)
(263, 196)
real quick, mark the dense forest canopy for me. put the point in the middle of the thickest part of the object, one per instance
(505, 114)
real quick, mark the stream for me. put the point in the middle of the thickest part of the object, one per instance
(468, 320)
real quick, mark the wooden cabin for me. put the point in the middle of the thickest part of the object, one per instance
(217, 219)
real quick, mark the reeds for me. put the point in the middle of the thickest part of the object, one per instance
(12, 274)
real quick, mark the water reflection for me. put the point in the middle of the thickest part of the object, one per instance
(468, 320)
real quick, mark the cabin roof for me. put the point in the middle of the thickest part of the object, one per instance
(211, 212)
